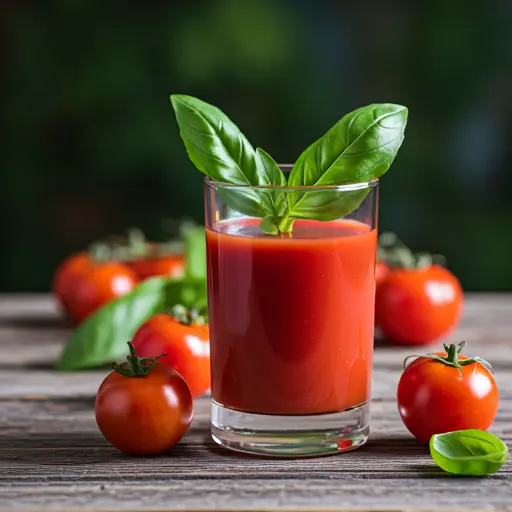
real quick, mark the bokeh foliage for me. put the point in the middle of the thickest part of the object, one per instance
(89, 144)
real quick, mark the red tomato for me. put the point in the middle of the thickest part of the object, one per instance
(143, 409)
(418, 306)
(434, 397)
(67, 276)
(187, 348)
(101, 284)
(169, 265)
(381, 272)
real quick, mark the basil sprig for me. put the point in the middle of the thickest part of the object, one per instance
(356, 150)
(468, 452)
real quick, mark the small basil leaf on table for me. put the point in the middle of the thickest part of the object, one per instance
(102, 337)
(357, 149)
(468, 452)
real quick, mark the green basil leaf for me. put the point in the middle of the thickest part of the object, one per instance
(326, 206)
(468, 452)
(102, 337)
(246, 201)
(215, 144)
(268, 225)
(275, 200)
(357, 149)
(195, 253)
(220, 150)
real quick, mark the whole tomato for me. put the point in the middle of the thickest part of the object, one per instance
(99, 285)
(186, 343)
(416, 306)
(67, 275)
(143, 407)
(444, 392)
(171, 265)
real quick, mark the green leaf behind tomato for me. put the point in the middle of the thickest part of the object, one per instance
(195, 253)
(102, 337)
(468, 452)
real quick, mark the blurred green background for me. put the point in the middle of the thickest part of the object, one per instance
(89, 143)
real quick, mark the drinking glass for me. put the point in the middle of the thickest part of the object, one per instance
(291, 320)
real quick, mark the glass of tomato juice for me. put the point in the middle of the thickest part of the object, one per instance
(291, 322)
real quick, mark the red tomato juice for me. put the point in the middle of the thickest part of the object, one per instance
(291, 319)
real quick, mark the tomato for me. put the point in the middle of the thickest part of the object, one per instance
(67, 275)
(171, 265)
(445, 391)
(416, 306)
(143, 407)
(99, 285)
(381, 272)
(186, 344)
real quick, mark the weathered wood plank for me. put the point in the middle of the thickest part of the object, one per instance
(52, 455)
(260, 494)
(37, 436)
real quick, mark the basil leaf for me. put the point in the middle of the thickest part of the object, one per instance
(246, 201)
(326, 206)
(357, 149)
(195, 253)
(214, 143)
(275, 199)
(220, 150)
(468, 452)
(268, 225)
(102, 337)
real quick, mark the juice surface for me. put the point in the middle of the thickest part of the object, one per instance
(291, 319)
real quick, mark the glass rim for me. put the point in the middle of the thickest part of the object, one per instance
(302, 188)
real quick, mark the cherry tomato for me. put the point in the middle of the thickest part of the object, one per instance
(143, 407)
(381, 272)
(186, 344)
(417, 306)
(171, 265)
(101, 284)
(67, 276)
(444, 391)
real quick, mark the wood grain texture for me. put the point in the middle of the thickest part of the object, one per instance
(52, 456)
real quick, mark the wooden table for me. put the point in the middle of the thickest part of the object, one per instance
(52, 455)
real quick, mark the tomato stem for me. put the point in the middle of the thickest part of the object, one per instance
(136, 366)
(187, 316)
(396, 254)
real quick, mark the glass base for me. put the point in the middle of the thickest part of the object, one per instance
(290, 436)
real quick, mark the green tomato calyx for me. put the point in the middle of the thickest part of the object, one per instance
(136, 366)
(452, 358)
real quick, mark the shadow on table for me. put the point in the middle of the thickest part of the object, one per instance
(78, 449)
